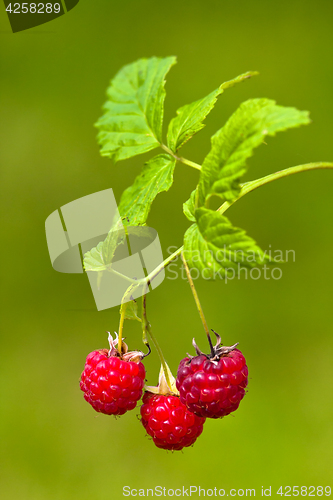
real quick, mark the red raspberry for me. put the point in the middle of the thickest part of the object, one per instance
(113, 385)
(171, 425)
(213, 385)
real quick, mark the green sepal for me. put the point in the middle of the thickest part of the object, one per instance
(163, 387)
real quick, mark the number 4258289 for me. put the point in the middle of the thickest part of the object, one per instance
(33, 8)
(304, 491)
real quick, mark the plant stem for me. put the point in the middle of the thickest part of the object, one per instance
(245, 189)
(130, 280)
(124, 304)
(252, 185)
(190, 163)
(120, 332)
(180, 158)
(161, 266)
(147, 331)
(197, 301)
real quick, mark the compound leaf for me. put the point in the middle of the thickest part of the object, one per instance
(132, 121)
(190, 117)
(234, 143)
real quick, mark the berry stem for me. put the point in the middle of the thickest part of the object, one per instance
(197, 301)
(124, 303)
(146, 330)
(120, 332)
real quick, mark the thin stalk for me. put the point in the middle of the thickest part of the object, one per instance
(189, 163)
(124, 304)
(180, 158)
(144, 320)
(252, 185)
(197, 301)
(146, 330)
(130, 280)
(161, 266)
(120, 332)
(153, 274)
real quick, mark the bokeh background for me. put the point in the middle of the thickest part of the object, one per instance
(53, 84)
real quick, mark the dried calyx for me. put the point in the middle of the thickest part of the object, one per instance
(216, 351)
(164, 388)
(134, 356)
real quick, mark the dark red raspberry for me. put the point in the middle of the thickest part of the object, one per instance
(213, 385)
(171, 425)
(111, 383)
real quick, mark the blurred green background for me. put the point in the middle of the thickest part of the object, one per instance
(53, 84)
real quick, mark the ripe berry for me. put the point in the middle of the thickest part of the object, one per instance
(112, 382)
(171, 425)
(213, 385)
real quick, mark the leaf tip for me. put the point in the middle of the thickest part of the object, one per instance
(249, 74)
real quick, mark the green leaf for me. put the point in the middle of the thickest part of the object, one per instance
(217, 249)
(99, 258)
(156, 176)
(93, 260)
(131, 310)
(234, 143)
(189, 206)
(135, 203)
(116, 236)
(132, 122)
(190, 117)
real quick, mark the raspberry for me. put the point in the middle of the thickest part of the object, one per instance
(213, 385)
(113, 383)
(167, 420)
